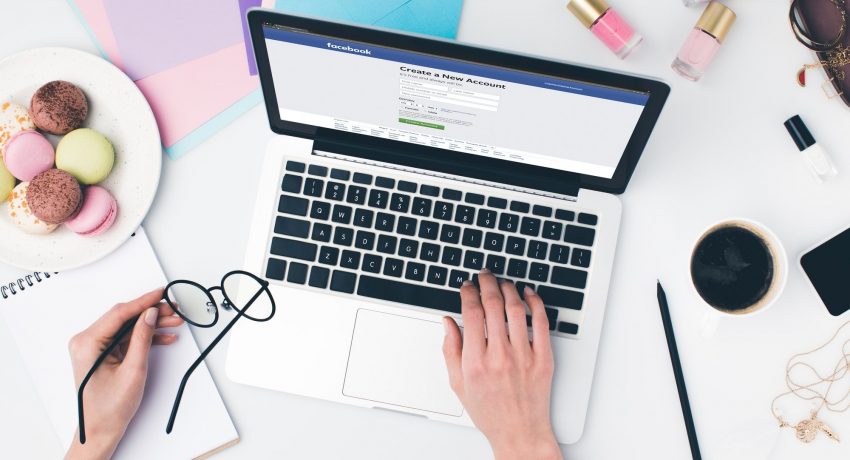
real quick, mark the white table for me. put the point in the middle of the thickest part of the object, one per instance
(718, 151)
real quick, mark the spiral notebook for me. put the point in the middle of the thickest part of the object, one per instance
(42, 311)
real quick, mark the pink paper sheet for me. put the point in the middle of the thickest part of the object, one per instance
(95, 14)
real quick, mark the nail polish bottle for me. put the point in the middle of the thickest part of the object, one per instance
(704, 41)
(607, 25)
(816, 157)
(694, 2)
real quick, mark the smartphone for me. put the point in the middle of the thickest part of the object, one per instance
(827, 266)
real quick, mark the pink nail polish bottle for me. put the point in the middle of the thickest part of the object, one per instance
(704, 41)
(607, 25)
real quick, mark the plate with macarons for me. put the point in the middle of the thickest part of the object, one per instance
(80, 159)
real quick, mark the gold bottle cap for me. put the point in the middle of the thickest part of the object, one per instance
(717, 19)
(587, 11)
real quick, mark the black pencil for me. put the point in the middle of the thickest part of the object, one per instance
(677, 372)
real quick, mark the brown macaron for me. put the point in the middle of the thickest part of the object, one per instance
(59, 107)
(54, 196)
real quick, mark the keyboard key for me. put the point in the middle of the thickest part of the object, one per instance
(343, 281)
(563, 214)
(450, 234)
(295, 166)
(437, 275)
(364, 240)
(486, 218)
(297, 273)
(384, 182)
(341, 214)
(378, 198)
(372, 263)
(517, 268)
(340, 174)
(559, 254)
(515, 246)
(320, 210)
(343, 236)
(429, 190)
(473, 260)
(400, 202)
(421, 207)
(356, 195)
(316, 170)
(499, 203)
(474, 198)
(588, 219)
(291, 183)
(450, 194)
(363, 218)
(457, 277)
(495, 264)
(328, 255)
(451, 256)
(581, 258)
(275, 269)
(538, 272)
(552, 316)
(530, 226)
(293, 205)
(406, 226)
(428, 230)
(313, 187)
(321, 232)
(579, 235)
(443, 210)
(361, 178)
(569, 277)
(508, 222)
(563, 298)
(335, 191)
(319, 277)
(294, 249)
(415, 271)
(387, 244)
(465, 214)
(430, 252)
(472, 237)
(537, 249)
(392, 267)
(350, 259)
(406, 186)
(568, 328)
(542, 211)
(291, 227)
(408, 293)
(552, 230)
(384, 222)
(408, 248)
(494, 241)
(519, 206)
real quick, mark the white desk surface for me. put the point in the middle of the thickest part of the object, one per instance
(718, 151)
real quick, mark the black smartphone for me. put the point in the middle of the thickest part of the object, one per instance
(827, 266)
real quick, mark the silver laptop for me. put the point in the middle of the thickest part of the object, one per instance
(401, 167)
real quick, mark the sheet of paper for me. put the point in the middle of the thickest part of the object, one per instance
(155, 35)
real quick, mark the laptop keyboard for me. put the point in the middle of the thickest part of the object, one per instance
(416, 243)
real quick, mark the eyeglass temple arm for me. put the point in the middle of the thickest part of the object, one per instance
(127, 327)
(239, 314)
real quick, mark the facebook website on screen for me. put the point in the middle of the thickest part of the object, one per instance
(451, 104)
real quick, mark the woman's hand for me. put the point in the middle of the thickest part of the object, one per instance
(503, 380)
(114, 392)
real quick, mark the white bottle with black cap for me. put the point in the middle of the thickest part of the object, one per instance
(818, 160)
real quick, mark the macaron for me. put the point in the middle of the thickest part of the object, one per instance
(23, 216)
(54, 196)
(14, 118)
(86, 154)
(28, 154)
(59, 107)
(97, 214)
(7, 182)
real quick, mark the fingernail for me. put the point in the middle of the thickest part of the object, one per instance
(150, 316)
(484, 271)
(502, 280)
(467, 283)
(529, 291)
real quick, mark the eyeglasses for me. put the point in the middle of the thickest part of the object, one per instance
(821, 26)
(196, 305)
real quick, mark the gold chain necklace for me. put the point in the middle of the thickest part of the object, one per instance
(808, 429)
(836, 60)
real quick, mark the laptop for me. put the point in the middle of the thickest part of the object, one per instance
(403, 165)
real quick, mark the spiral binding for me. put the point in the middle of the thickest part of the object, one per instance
(22, 284)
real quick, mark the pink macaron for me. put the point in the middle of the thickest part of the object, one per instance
(97, 214)
(28, 154)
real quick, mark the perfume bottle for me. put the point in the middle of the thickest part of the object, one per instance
(607, 25)
(819, 162)
(704, 41)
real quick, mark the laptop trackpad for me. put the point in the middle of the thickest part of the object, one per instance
(398, 360)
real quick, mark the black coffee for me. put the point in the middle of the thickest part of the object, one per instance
(732, 268)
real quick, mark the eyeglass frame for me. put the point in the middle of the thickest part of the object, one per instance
(227, 303)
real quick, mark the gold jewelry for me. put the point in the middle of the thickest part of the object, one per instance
(836, 60)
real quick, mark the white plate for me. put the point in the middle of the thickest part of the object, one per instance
(118, 110)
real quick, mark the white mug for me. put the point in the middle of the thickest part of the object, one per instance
(713, 315)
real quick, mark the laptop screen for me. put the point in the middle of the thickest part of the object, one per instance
(451, 104)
